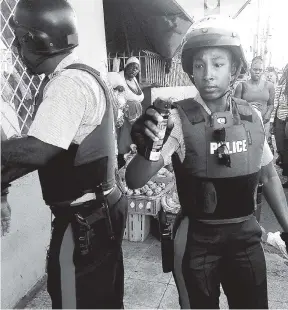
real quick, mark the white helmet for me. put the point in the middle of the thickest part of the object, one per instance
(213, 31)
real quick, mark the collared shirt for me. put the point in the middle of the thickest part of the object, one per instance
(73, 106)
(175, 142)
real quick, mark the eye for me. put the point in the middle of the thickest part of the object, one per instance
(218, 65)
(198, 66)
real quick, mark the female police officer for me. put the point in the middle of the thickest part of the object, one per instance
(218, 150)
(72, 144)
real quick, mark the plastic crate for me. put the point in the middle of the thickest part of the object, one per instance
(147, 205)
(137, 227)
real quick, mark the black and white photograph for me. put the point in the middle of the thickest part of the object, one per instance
(144, 154)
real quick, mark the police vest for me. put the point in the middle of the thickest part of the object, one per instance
(83, 167)
(209, 190)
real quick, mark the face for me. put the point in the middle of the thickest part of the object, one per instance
(256, 70)
(28, 59)
(132, 70)
(212, 71)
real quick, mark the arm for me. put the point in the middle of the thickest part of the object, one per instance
(274, 194)
(52, 131)
(238, 91)
(270, 104)
(140, 170)
(24, 155)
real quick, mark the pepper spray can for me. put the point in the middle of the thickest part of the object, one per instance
(153, 148)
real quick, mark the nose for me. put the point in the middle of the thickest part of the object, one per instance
(208, 73)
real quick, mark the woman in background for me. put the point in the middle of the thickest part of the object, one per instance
(260, 93)
(134, 96)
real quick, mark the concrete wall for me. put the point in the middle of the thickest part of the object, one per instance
(92, 48)
(23, 250)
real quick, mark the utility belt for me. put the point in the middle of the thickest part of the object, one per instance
(91, 221)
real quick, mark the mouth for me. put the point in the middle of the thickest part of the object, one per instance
(209, 88)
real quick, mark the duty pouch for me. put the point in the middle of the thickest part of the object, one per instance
(167, 241)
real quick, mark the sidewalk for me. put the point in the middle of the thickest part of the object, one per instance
(146, 286)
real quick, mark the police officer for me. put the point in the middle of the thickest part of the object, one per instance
(218, 151)
(71, 143)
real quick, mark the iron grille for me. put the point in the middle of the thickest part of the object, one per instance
(18, 88)
(153, 67)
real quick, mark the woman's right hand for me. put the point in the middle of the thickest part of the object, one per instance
(146, 127)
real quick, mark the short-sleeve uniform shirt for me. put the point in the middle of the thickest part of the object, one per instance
(73, 106)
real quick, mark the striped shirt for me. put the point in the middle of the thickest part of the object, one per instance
(73, 106)
(281, 102)
(175, 142)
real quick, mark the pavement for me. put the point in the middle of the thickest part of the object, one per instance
(147, 287)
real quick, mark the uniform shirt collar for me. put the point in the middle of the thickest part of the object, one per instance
(68, 60)
(199, 99)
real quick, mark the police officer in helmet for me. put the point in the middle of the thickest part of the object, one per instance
(71, 143)
(219, 153)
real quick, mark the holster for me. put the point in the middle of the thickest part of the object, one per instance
(92, 227)
(167, 240)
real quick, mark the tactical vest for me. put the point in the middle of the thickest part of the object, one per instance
(83, 167)
(208, 190)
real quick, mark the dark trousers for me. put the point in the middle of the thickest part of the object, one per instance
(281, 143)
(93, 283)
(230, 254)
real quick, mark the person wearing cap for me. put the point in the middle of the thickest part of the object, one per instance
(71, 143)
(219, 152)
(134, 96)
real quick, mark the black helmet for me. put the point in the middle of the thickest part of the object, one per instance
(45, 27)
(213, 31)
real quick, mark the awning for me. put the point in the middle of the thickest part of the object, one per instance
(154, 25)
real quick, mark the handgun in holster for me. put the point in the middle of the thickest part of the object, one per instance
(83, 229)
(167, 240)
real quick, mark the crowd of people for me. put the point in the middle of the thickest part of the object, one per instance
(216, 141)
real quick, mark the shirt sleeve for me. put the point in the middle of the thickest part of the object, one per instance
(60, 113)
(267, 155)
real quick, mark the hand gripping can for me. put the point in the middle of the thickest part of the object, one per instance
(153, 148)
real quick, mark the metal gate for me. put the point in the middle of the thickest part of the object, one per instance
(18, 88)
(153, 67)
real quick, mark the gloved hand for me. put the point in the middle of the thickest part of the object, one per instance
(145, 129)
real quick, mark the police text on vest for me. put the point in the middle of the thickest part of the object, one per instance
(233, 147)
